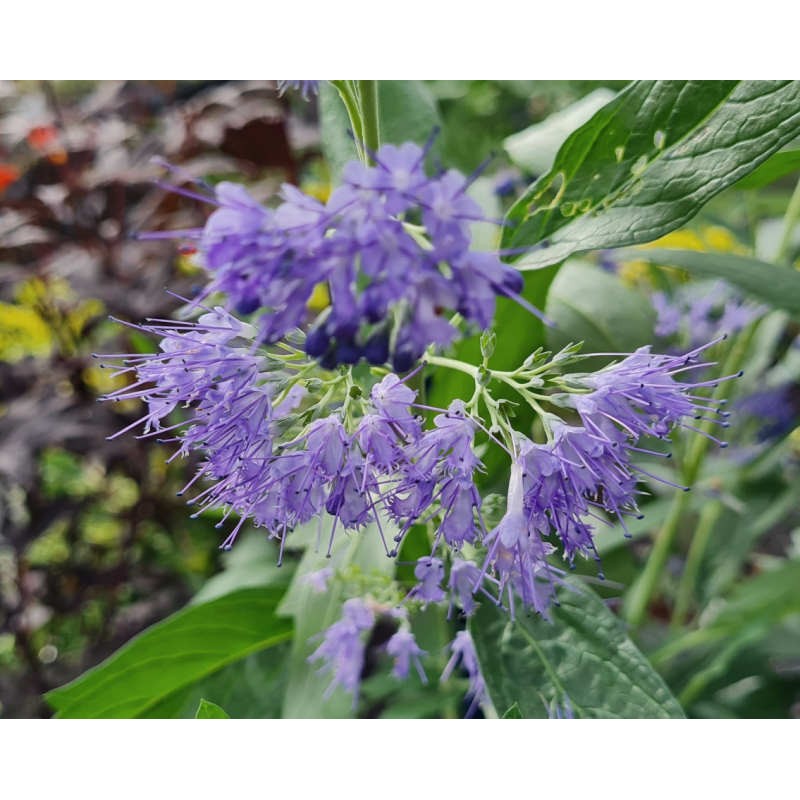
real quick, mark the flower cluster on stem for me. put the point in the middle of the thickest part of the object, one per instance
(292, 426)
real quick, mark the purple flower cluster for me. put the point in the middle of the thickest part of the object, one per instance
(392, 245)
(702, 312)
(383, 465)
(286, 439)
(555, 489)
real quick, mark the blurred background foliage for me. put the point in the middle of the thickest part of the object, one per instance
(95, 546)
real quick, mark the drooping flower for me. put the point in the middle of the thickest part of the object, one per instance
(429, 571)
(464, 582)
(342, 648)
(517, 553)
(439, 473)
(404, 650)
(463, 653)
(640, 395)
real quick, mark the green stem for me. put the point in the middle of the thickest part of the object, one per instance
(790, 219)
(351, 103)
(697, 549)
(453, 363)
(644, 588)
(370, 116)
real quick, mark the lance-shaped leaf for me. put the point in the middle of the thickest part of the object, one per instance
(647, 162)
(189, 645)
(582, 657)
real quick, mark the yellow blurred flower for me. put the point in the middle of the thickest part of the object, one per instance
(23, 333)
(320, 298)
(708, 238)
(321, 190)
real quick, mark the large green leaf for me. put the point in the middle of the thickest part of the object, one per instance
(362, 555)
(408, 113)
(591, 306)
(647, 162)
(778, 286)
(584, 655)
(184, 648)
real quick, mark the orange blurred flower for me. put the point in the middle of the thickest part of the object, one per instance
(42, 137)
(8, 174)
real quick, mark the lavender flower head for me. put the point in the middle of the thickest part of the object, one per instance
(392, 245)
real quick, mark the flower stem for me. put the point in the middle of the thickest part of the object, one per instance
(790, 219)
(453, 363)
(370, 116)
(697, 549)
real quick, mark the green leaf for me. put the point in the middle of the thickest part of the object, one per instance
(775, 167)
(778, 286)
(208, 710)
(251, 688)
(513, 712)
(591, 306)
(253, 562)
(338, 146)
(359, 555)
(189, 645)
(755, 608)
(648, 161)
(583, 655)
(408, 113)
